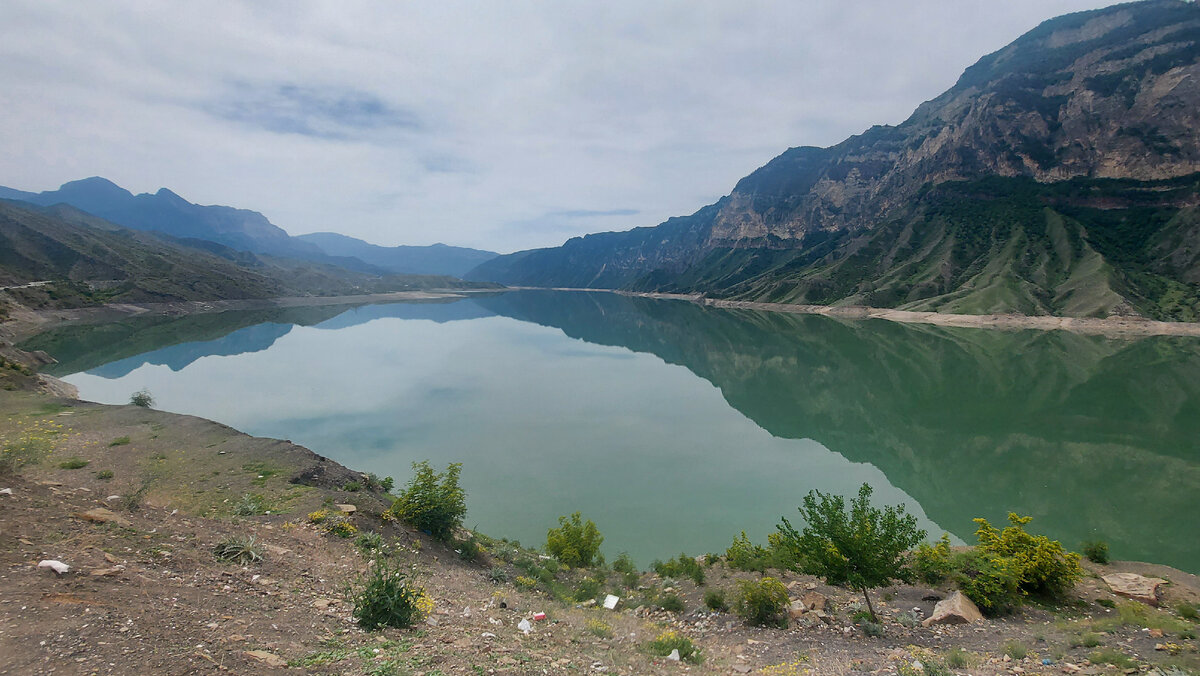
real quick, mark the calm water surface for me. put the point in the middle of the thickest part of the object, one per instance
(675, 426)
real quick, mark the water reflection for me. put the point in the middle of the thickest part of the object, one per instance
(592, 401)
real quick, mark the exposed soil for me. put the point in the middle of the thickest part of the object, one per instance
(145, 593)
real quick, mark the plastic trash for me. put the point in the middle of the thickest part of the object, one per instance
(674, 656)
(538, 617)
(57, 566)
(610, 602)
(524, 626)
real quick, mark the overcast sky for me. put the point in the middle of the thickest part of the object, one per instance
(502, 125)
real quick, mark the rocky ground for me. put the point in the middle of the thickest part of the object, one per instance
(146, 594)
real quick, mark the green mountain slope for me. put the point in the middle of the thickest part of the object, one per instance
(90, 260)
(1106, 95)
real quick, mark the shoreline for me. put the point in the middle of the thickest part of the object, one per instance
(25, 323)
(1122, 327)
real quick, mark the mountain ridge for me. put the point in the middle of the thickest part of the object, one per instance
(1109, 94)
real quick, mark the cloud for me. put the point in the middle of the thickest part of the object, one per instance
(497, 125)
(323, 112)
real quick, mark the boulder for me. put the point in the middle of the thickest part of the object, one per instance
(1134, 586)
(796, 609)
(957, 609)
(814, 601)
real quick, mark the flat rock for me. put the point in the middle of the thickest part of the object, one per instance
(102, 515)
(346, 509)
(957, 609)
(107, 572)
(796, 609)
(1134, 586)
(268, 658)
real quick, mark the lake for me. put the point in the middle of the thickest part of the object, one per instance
(675, 426)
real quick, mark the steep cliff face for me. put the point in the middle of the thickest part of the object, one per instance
(1107, 101)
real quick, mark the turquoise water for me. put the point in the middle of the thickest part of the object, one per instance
(675, 426)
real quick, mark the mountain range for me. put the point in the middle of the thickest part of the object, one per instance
(245, 230)
(1059, 175)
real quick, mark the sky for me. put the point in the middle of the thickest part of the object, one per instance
(495, 125)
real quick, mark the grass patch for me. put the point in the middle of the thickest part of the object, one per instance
(1111, 656)
(1016, 650)
(119, 441)
(669, 641)
(261, 470)
(104, 474)
(73, 463)
(600, 629)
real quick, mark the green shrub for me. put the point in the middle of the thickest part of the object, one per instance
(872, 629)
(1112, 656)
(714, 599)
(1015, 650)
(1107, 603)
(587, 589)
(932, 563)
(745, 555)
(863, 548)
(1096, 551)
(342, 529)
(763, 602)
(387, 598)
(104, 474)
(669, 641)
(498, 574)
(1088, 640)
(994, 584)
(629, 572)
(241, 551)
(469, 549)
(681, 567)
(119, 441)
(670, 602)
(352, 486)
(141, 398)
(73, 463)
(1041, 565)
(432, 502)
(957, 658)
(575, 542)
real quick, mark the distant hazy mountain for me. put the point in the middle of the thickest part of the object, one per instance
(1058, 175)
(91, 260)
(438, 259)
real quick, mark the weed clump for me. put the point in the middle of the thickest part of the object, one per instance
(431, 501)
(575, 543)
(1096, 551)
(714, 599)
(73, 463)
(680, 567)
(387, 598)
(239, 550)
(763, 602)
(668, 641)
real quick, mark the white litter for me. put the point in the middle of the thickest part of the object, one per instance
(610, 601)
(57, 566)
(5, 491)
(524, 626)
(674, 656)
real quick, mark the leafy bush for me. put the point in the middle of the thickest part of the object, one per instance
(498, 574)
(993, 584)
(238, 550)
(104, 474)
(932, 563)
(352, 486)
(523, 582)
(743, 554)
(714, 599)
(342, 529)
(670, 602)
(872, 629)
(1042, 566)
(469, 549)
(629, 572)
(1096, 551)
(141, 398)
(763, 602)
(680, 567)
(669, 641)
(388, 599)
(575, 542)
(862, 549)
(318, 516)
(73, 463)
(432, 502)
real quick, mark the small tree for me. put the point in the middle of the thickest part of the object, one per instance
(142, 398)
(433, 502)
(575, 542)
(863, 549)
